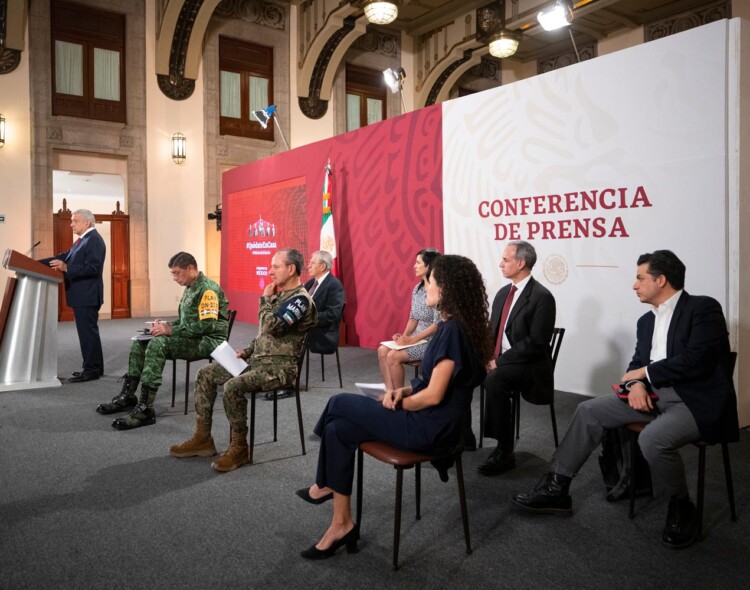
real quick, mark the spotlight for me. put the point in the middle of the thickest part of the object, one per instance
(557, 16)
(216, 216)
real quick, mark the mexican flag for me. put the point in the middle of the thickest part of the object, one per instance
(327, 235)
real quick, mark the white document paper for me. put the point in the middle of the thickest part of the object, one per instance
(391, 344)
(373, 390)
(227, 357)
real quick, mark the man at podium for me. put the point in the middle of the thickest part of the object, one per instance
(83, 266)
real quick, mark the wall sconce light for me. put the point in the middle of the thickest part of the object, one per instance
(2, 130)
(381, 13)
(557, 16)
(179, 148)
(504, 44)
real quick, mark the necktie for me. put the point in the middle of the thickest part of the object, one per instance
(504, 320)
(314, 287)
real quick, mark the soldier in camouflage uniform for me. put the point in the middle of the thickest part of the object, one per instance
(201, 326)
(285, 315)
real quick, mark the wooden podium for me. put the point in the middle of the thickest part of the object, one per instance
(28, 325)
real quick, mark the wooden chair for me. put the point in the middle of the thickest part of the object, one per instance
(402, 460)
(232, 313)
(554, 348)
(636, 428)
(292, 386)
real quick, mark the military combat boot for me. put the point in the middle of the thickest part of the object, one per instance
(123, 400)
(142, 414)
(237, 453)
(201, 445)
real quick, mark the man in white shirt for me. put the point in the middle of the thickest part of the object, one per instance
(682, 355)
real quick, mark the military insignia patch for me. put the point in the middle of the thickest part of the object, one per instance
(294, 310)
(209, 306)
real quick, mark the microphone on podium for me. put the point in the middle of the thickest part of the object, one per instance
(30, 250)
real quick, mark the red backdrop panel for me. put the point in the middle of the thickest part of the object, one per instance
(387, 205)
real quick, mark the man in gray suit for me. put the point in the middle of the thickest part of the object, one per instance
(523, 319)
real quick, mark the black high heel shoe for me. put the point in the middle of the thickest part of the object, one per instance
(349, 539)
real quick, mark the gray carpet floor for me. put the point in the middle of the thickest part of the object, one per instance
(85, 506)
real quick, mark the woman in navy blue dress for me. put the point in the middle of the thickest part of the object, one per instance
(423, 417)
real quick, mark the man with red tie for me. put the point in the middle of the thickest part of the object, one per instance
(523, 319)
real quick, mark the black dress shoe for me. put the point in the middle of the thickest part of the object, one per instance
(304, 493)
(497, 463)
(680, 530)
(349, 539)
(550, 496)
(84, 377)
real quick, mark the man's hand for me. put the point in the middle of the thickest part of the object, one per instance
(491, 365)
(634, 375)
(270, 289)
(160, 328)
(241, 354)
(58, 265)
(638, 398)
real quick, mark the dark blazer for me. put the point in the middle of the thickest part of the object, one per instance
(529, 330)
(697, 364)
(84, 286)
(329, 299)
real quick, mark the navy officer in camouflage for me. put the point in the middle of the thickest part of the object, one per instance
(285, 315)
(201, 326)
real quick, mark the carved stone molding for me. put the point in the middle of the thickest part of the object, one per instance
(176, 86)
(9, 60)
(126, 141)
(378, 42)
(54, 133)
(253, 11)
(566, 58)
(222, 150)
(490, 20)
(489, 67)
(313, 106)
(440, 82)
(687, 20)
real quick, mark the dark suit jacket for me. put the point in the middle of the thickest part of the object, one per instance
(529, 329)
(84, 286)
(697, 364)
(329, 300)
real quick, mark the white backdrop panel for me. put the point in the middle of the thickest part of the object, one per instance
(642, 132)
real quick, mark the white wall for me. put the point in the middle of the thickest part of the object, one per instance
(655, 116)
(174, 193)
(15, 162)
(304, 130)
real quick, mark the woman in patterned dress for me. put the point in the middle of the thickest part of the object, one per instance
(422, 325)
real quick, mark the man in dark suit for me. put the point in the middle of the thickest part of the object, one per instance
(328, 295)
(682, 355)
(523, 319)
(83, 266)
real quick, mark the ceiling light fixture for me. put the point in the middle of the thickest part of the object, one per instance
(504, 44)
(557, 16)
(381, 13)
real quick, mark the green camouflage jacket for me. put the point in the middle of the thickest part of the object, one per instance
(202, 312)
(283, 321)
